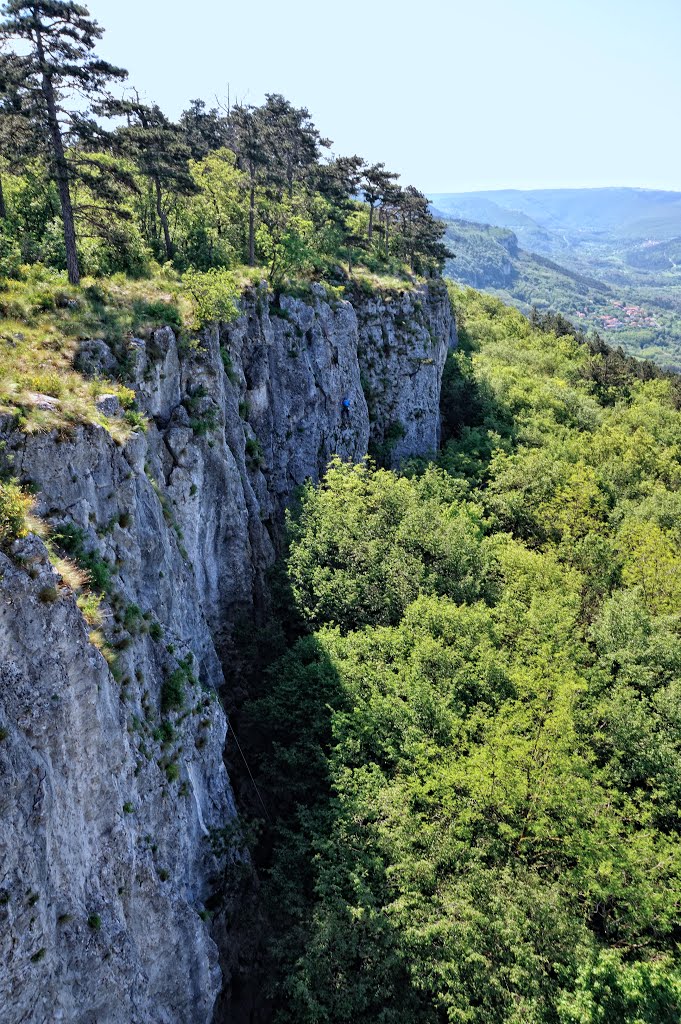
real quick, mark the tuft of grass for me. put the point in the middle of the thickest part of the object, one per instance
(72, 539)
(370, 283)
(98, 640)
(90, 606)
(94, 922)
(72, 576)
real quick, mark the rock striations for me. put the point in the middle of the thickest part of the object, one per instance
(115, 805)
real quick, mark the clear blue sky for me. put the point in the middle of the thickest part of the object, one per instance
(453, 95)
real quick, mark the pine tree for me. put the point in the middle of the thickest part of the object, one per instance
(160, 150)
(19, 138)
(391, 202)
(339, 180)
(205, 129)
(377, 186)
(250, 141)
(60, 38)
(420, 238)
(292, 141)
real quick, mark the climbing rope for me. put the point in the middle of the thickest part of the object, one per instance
(250, 773)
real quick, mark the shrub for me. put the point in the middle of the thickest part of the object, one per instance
(254, 450)
(44, 383)
(213, 296)
(14, 507)
(10, 256)
(156, 631)
(172, 692)
(72, 540)
(90, 606)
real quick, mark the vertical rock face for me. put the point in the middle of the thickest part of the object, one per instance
(403, 345)
(115, 807)
(104, 862)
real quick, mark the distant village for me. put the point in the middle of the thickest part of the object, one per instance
(622, 318)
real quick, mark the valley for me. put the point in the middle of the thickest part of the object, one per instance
(608, 259)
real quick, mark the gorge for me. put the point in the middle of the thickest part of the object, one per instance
(115, 781)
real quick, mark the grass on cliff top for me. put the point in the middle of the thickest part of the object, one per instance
(371, 283)
(43, 319)
(360, 279)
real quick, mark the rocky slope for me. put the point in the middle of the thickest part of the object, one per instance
(116, 813)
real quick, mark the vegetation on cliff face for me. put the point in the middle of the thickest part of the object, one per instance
(474, 748)
(14, 509)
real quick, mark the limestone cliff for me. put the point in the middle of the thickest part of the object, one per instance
(115, 806)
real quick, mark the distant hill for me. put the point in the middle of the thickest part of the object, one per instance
(656, 256)
(545, 216)
(488, 257)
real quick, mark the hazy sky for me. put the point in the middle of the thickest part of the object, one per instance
(455, 96)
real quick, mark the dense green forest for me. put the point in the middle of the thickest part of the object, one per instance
(473, 749)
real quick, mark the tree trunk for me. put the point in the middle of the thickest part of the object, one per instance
(3, 207)
(251, 223)
(163, 217)
(371, 221)
(61, 170)
(151, 207)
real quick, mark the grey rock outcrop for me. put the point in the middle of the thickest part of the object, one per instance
(402, 351)
(104, 863)
(112, 788)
